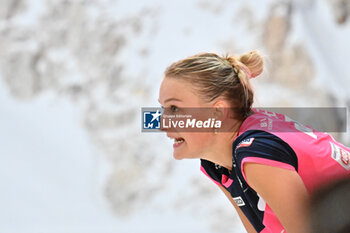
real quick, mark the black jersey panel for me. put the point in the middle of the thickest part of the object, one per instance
(261, 144)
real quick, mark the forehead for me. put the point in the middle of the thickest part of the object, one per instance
(176, 88)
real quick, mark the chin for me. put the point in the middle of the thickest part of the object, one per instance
(178, 156)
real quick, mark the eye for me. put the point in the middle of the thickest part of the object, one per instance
(173, 108)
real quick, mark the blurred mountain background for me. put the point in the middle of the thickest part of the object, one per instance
(75, 74)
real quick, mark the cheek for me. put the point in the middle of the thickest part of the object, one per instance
(196, 144)
(198, 141)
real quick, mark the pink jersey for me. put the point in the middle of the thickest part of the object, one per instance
(274, 139)
(321, 159)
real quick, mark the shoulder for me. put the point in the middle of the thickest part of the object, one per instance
(261, 147)
(260, 141)
(277, 185)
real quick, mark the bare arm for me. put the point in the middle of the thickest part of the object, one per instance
(284, 192)
(248, 226)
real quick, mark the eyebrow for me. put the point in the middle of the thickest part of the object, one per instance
(170, 99)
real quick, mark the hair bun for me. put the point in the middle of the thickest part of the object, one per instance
(254, 63)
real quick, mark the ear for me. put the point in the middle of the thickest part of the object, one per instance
(221, 109)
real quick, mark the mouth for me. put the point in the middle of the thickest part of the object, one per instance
(178, 142)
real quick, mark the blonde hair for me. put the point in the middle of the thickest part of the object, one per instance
(214, 76)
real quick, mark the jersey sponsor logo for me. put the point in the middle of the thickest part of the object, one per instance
(341, 155)
(245, 143)
(217, 166)
(266, 123)
(239, 201)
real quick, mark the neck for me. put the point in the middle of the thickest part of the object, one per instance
(221, 151)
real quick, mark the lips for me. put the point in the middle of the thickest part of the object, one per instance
(178, 142)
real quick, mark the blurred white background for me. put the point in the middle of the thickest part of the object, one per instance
(75, 74)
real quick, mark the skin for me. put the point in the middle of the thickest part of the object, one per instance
(207, 145)
(283, 190)
(285, 193)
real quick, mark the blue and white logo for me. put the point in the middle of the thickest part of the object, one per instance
(151, 119)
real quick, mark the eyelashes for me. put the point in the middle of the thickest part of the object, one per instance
(171, 108)
(174, 108)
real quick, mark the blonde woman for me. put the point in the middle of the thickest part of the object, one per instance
(268, 170)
